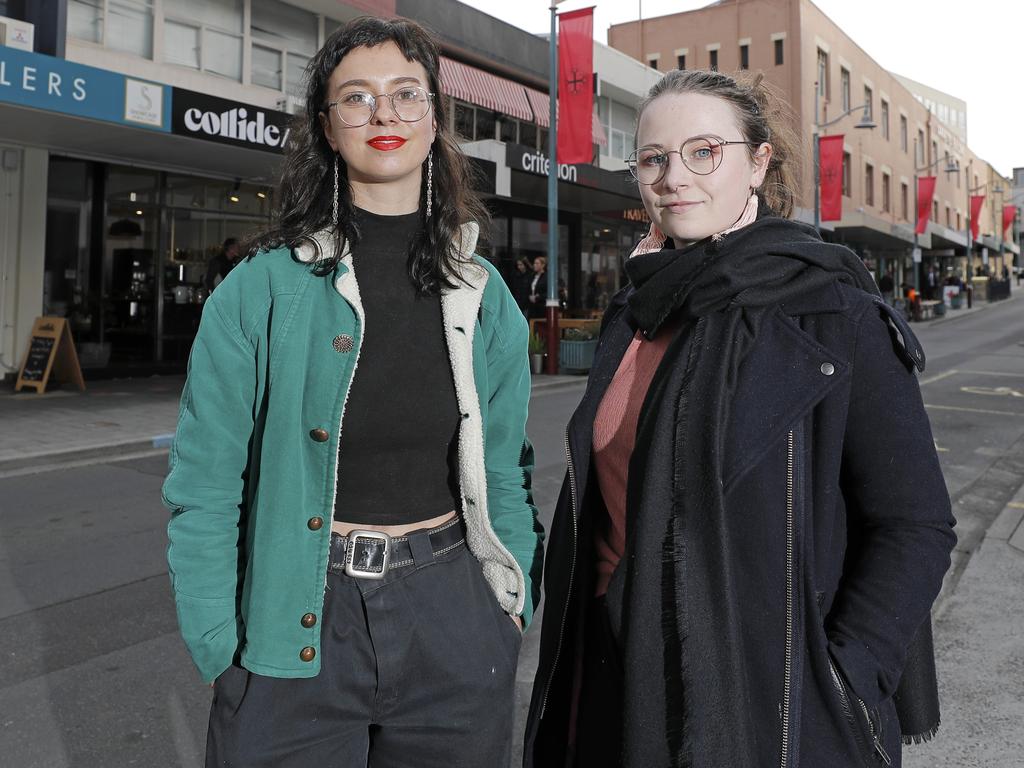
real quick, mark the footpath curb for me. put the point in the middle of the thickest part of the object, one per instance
(43, 461)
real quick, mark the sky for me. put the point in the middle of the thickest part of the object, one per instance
(971, 52)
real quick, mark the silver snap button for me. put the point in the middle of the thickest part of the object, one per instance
(828, 369)
(343, 343)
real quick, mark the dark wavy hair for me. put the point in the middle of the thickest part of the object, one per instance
(304, 203)
(764, 117)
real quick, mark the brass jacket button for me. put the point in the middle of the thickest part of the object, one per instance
(315, 523)
(308, 653)
(308, 620)
(318, 434)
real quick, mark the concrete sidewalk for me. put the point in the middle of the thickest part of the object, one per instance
(979, 648)
(116, 418)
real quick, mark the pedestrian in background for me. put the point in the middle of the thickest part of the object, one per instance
(754, 524)
(354, 549)
(522, 279)
(885, 286)
(539, 287)
(222, 263)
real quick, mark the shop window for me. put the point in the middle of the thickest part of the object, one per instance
(486, 124)
(205, 35)
(528, 134)
(464, 121)
(286, 38)
(509, 130)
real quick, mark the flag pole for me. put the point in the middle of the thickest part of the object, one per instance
(552, 268)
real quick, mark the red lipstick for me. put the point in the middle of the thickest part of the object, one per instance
(386, 143)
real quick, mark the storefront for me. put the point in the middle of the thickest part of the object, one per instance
(600, 219)
(123, 190)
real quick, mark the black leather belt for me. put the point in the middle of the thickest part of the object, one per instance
(365, 554)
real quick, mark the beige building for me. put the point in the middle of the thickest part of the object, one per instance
(818, 66)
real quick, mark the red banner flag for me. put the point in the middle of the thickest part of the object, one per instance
(976, 201)
(830, 171)
(575, 86)
(925, 193)
(1009, 214)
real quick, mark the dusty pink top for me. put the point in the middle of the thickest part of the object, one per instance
(614, 439)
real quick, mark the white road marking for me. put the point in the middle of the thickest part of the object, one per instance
(971, 410)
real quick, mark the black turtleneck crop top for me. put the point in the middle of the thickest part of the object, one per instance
(398, 451)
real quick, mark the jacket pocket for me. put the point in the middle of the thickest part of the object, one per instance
(864, 724)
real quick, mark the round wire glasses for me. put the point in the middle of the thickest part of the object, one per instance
(701, 154)
(356, 108)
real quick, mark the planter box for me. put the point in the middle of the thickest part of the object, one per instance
(576, 355)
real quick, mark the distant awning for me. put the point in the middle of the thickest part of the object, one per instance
(484, 89)
(541, 108)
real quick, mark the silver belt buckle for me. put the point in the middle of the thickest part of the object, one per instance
(367, 554)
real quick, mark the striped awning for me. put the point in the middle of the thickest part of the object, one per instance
(542, 106)
(484, 89)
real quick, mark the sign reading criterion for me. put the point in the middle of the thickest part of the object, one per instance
(229, 122)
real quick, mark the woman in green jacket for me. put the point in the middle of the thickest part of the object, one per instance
(355, 553)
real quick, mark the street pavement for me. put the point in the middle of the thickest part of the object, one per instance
(92, 672)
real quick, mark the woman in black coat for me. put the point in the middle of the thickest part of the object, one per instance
(754, 524)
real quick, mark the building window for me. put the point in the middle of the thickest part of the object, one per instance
(847, 180)
(958, 220)
(869, 101)
(919, 159)
(681, 61)
(486, 124)
(823, 85)
(509, 130)
(886, 193)
(949, 218)
(779, 58)
(205, 35)
(120, 25)
(713, 60)
(869, 184)
(284, 39)
(528, 135)
(935, 211)
(653, 63)
(904, 195)
(744, 57)
(844, 87)
(618, 120)
(935, 152)
(464, 121)
(903, 132)
(885, 119)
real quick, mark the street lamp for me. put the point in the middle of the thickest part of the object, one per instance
(864, 122)
(951, 167)
(996, 190)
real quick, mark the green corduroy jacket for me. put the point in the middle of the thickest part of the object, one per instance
(251, 492)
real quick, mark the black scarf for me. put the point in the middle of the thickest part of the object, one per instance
(721, 291)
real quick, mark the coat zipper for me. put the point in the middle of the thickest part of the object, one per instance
(786, 693)
(875, 736)
(572, 572)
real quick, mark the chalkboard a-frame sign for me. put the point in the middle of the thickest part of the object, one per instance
(51, 351)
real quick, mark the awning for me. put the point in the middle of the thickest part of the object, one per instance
(541, 108)
(484, 89)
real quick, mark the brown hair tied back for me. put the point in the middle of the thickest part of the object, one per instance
(763, 116)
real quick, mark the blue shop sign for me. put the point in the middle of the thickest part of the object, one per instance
(55, 85)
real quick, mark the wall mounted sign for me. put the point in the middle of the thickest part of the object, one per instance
(55, 85)
(229, 122)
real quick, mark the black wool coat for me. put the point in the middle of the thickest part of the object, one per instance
(833, 488)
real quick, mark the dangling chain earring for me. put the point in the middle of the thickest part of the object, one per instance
(334, 217)
(430, 182)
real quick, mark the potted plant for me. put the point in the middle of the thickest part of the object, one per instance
(577, 347)
(536, 353)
